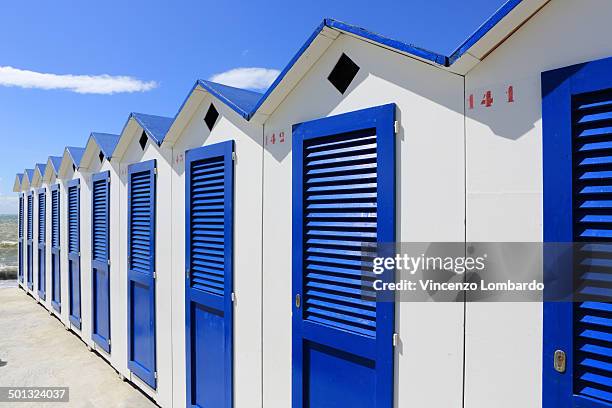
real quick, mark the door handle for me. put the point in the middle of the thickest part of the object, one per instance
(298, 301)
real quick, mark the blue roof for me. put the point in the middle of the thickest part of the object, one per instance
(106, 142)
(56, 162)
(30, 174)
(41, 168)
(76, 154)
(154, 126)
(439, 59)
(241, 100)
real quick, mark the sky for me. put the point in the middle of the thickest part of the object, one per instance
(68, 68)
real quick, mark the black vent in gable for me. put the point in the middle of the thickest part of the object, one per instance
(211, 116)
(101, 156)
(343, 73)
(73, 167)
(143, 140)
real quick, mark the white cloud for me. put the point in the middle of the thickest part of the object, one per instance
(83, 84)
(249, 78)
(8, 204)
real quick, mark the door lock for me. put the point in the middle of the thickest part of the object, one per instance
(298, 301)
(560, 361)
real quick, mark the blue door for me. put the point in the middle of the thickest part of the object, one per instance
(42, 244)
(20, 238)
(209, 275)
(141, 271)
(56, 280)
(100, 259)
(343, 199)
(30, 250)
(74, 251)
(577, 148)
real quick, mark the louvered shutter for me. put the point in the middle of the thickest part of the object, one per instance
(73, 219)
(209, 266)
(55, 220)
(30, 217)
(100, 265)
(42, 214)
(141, 270)
(340, 219)
(20, 232)
(100, 210)
(30, 237)
(55, 248)
(343, 204)
(42, 236)
(592, 160)
(74, 251)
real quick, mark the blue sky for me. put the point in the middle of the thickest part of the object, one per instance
(153, 51)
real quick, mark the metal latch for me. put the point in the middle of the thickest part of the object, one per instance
(396, 127)
(233, 297)
(560, 361)
(154, 275)
(233, 156)
(395, 339)
(298, 300)
(187, 273)
(155, 375)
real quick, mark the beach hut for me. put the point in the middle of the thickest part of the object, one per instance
(17, 188)
(30, 226)
(108, 286)
(75, 243)
(216, 244)
(40, 259)
(145, 244)
(363, 144)
(54, 217)
(538, 132)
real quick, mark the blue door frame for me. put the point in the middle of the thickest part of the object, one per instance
(343, 198)
(30, 237)
(73, 197)
(100, 259)
(577, 136)
(141, 271)
(56, 278)
(20, 238)
(209, 205)
(42, 242)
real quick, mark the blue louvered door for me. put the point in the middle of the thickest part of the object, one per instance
(343, 200)
(30, 238)
(100, 260)
(56, 280)
(42, 242)
(141, 271)
(20, 238)
(577, 117)
(209, 275)
(74, 251)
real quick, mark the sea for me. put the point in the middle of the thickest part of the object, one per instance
(8, 243)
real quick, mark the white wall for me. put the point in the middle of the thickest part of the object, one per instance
(504, 187)
(430, 207)
(247, 247)
(163, 266)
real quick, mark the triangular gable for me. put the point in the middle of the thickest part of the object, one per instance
(28, 175)
(99, 142)
(39, 172)
(242, 101)
(17, 183)
(53, 166)
(155, 127)
(71, 159)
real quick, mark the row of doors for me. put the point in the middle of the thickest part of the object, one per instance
(343, 198)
